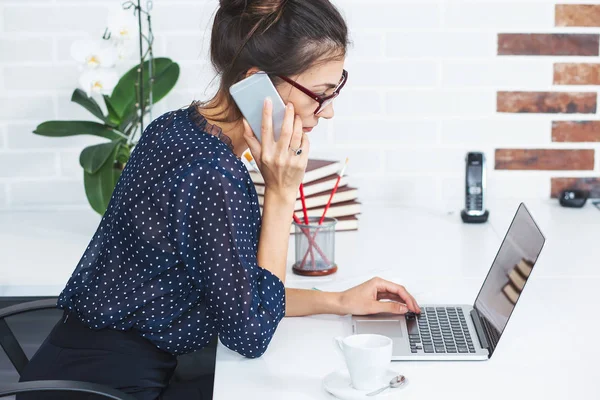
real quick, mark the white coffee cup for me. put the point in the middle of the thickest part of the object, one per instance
(367, 357)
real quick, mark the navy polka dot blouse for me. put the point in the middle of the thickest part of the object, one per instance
(174, 256)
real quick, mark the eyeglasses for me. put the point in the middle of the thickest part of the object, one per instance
(323, 101)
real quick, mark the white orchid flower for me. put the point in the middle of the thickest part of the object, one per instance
(99, 80)
(94, 53)
(122, 25)
(125, 50)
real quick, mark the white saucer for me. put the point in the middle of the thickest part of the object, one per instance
(338, 384)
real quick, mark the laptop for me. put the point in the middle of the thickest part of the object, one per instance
(459, 331)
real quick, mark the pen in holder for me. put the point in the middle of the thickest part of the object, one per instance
(315, 247)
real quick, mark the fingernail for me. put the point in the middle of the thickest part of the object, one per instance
(267, 101)
(290, 106)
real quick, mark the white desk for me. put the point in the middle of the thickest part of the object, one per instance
(40, 249)
(437, 257)
(440, 259)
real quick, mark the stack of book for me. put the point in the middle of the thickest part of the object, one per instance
(319, 180)
(516, 280)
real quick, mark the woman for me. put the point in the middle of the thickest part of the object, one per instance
(182, 254)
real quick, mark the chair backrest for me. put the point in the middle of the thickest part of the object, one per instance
(8, 340)
(10, 389)
(19, 360)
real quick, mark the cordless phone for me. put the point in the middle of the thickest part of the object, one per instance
(475, 184)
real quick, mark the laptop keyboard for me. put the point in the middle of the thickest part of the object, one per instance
(439, 330)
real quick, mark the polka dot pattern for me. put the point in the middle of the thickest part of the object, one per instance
(174, 256)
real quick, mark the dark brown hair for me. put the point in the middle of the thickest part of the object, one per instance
(280, 37)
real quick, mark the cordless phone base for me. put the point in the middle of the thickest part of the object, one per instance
(474, 219)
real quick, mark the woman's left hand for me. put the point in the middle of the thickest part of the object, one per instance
(365, 299)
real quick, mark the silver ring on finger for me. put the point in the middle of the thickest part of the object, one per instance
(296, 151)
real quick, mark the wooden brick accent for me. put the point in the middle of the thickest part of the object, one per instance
(576, 74)
(541, 44)
(559, 184)
(577, 15)
(576, 131)
(544, 159)
(546, 102)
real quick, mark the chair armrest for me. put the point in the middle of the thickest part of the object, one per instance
(27, 306)
(9, 389)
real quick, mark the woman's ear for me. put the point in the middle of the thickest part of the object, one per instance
(252, 71)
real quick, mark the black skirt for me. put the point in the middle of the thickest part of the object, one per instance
(123, 360)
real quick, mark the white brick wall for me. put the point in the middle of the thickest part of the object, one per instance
(423, 78)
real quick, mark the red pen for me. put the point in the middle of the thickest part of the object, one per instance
(340, 175)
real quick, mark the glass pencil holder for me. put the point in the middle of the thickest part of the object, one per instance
(315, 247)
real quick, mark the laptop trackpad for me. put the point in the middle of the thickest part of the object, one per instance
(391, 328)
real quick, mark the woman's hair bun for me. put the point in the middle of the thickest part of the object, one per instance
(252, 7)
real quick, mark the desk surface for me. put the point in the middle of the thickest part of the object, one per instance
(437, 257)
(441, 260)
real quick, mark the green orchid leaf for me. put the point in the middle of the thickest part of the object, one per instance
(71, 128)
(130, 118)
(113, 117)
(125, 92)
(92, 158)
(165, 82)
(81, 98)
(100, 185)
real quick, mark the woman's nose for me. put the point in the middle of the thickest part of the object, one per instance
(327, 112)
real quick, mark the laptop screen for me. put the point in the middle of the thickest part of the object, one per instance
(509, 272)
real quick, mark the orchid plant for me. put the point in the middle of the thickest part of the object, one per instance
(124, 111)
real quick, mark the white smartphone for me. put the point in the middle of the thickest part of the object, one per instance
(250, 93)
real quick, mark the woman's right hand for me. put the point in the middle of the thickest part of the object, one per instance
(365, 299)
(280, 167)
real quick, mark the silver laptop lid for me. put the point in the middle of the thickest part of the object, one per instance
(508, 275)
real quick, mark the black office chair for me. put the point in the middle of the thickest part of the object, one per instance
(19, 360)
